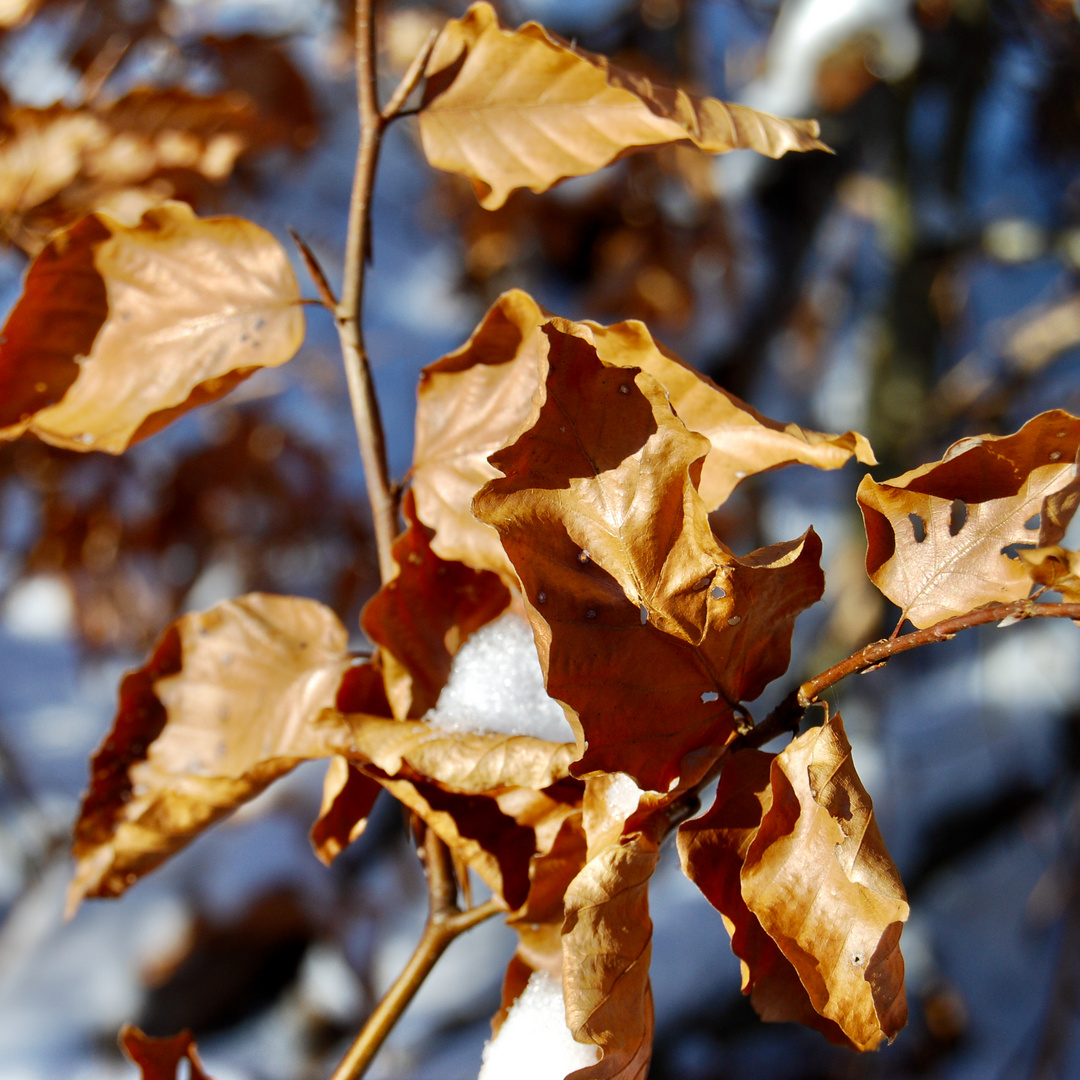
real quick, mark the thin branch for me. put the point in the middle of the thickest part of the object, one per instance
(786, 715)
(314, 268)
(411, 79)
(349, 309)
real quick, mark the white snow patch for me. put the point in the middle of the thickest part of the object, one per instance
(40, 609)
(622, 796)
(534, 1042)
(496, 685)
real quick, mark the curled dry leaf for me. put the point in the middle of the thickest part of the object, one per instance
(1055, 568)
(120, 330)
(646, 625)
(348, 796)
(713, 848)
(422, 616)
(158, 1059)
(476, 400)
(526, 109)
(937, 536)
(607, 946)
(230, 701)
(815, 877)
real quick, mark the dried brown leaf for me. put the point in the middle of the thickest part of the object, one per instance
(607, 946)
(230, 701)
(1055, 568)
(476, 400)
(348, 796)
(1003, 483)
(713, 848)
(208, 301)
(525, 108)
(60, 163)
(158, 1059)
(818, 879)
(424, 614)
(645, 624)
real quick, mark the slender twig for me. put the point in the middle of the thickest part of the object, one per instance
(410, 80)
(786, 715)
(314, 268)
(349, 309)
(445, 919)
(445, 922)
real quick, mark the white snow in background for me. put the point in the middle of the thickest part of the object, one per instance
(496, 685)
(328, 986)
(220, 581)
(39, 608)
(534, 1042)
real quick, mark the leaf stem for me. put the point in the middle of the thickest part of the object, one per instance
(786, 715)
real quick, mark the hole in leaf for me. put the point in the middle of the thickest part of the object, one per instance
(590, 614)
(717, 593)
(709, 695)
(644, 615)
(958, 516)
(1010, 550)
(1033, 522)
(918, 527)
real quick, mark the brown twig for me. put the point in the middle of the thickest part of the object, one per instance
(786, 715)
(445, 919)
(445, 922)
(314, 268)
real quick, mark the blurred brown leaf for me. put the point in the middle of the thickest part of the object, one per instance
(816, 878)
(937, 535)
(60, 163)
(424, 614)
(607, 946)
(227, 704)
(474, 401)
(646, 625)
(208, 300)
(1055, 568)
(525, 108)
(158, 1059)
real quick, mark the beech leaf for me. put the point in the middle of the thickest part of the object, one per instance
(476, 400)
(713, 848)
(120, 330)
(60, 163)
(607, 946)
(348, 796)
(937, 535)
(158, 1059)
(1055, 568)
(645, 624)
(818, 879)
(422, 616)
(525, 109)
(230, 700)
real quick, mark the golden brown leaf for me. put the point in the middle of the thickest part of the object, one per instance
(713, 848)
(524, 108)
(230, 701)
(607, 945)
(819, 879)
(645, 624)
(1055, 568)
(158, 1059)
(476, 400)
(1013, 489)
(422, 616)
(348, 796)
(171, 313)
